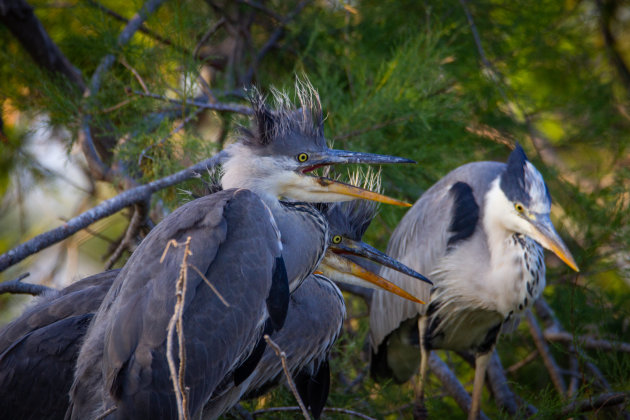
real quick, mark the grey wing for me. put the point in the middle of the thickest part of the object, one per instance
(79, 298)
(442, 217)
(234, 245)
(314, 320)
(36, 369)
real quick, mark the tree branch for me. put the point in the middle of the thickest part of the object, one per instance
(586, 342)
(543, 349)
(215, 106)
(451, 384)
(97, 167)
(16, 286)
(18, 16)
(106, 208)
(591, 404)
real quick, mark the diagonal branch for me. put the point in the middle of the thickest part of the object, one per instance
(106, 208)
(97, 167)
(543, 349)
(16, 286)
(18, 16)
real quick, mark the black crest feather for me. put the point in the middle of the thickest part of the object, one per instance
(513, 181)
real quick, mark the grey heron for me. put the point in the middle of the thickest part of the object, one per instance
(39, 349)
(316, 313)
(253, 248)
(479, 233)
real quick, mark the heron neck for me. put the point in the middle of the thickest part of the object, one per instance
(304, 234)
(495, 206)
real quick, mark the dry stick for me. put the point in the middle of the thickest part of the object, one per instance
(137, 220)
(207, 35)
(106, 208)
(451, 384)
(106, 413)
(16, 286)
(543, 349)
(214, 289)
(135, 73)
(601, 401)
(176, 323)
(283, 358)
(516, 366)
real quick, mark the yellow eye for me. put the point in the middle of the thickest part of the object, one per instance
(302, 157)
(519, 207)
(336, 239)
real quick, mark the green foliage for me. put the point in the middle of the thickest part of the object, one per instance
(396, 77)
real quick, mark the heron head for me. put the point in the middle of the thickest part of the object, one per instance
(348, 222)
(529, 205)
(284, 145)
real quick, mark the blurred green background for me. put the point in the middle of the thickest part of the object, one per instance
(418, 79)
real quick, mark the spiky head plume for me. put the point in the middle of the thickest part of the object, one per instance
(284, 128)
(521, 182)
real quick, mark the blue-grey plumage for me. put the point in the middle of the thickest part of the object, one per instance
(477, 233)
(253, 248)
(39, 349)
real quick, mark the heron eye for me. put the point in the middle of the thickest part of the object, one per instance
(336, 239)
(302, 157)
(519, 207)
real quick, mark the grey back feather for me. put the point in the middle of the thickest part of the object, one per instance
(420, 241)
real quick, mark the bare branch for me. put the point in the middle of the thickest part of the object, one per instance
(543, 349)
(106, 208)
(16, 286)
(497, 381)
(214, 289)
(601, 401)
(97, 167)
(283, 358)
(213, 29)
(586, 342)
(516, 366)
(271, 42)
(142, 28)
(18, 16)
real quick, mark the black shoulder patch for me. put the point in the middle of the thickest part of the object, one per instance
(465, 213)
(314, 389)
(247, 367)
(278, 299)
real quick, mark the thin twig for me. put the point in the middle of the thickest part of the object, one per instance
(106, 413)
(216, 106)
(271, 42)
(283, 358)
(169, 135)
(135, 73)
(106, 208)
(543, 349)
(516, 366)
(137, 220)
(98, 168)
(207, 35)
(596, 403)
(214, 289)
(142, 28)
(177, 323)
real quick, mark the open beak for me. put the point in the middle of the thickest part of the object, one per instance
(545, 234)
(364, 250)
(343, 270)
